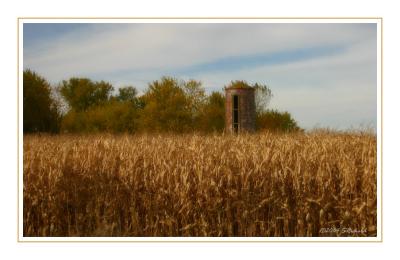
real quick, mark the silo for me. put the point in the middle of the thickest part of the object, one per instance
(240, 109)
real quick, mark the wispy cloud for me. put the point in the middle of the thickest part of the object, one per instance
(262, 59)
(322, 73)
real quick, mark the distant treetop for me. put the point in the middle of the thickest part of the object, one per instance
(239, 84)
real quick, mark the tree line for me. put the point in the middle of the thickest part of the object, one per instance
(81, 105)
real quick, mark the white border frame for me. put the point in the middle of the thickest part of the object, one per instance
(378, 21)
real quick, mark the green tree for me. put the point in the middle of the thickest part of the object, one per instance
(213, 113)
(40, 111)
(127, 94)
(166, 107)
(238, 84)
(94, 109)
(196, 97)
(263, 95)
(74, 122)
(275, 121)
(82, 93)
(195, 93)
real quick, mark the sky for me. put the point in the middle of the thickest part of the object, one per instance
(324, 74)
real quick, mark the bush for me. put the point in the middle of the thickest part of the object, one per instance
(167, 107)
(212, 117)
(114, 116)
(275, 121)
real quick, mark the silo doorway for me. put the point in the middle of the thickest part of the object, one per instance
(235, 113)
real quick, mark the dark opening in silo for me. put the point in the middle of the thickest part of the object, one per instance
(235, 113)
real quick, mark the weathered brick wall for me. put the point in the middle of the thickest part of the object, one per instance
(247, 109)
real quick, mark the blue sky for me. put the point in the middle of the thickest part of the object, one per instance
(324, 74)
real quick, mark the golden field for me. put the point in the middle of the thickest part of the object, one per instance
(307, 184)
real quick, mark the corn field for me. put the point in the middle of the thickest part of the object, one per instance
(251, 185)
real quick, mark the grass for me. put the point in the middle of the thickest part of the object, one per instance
(306, 184)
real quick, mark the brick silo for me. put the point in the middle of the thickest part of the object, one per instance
(240, 109)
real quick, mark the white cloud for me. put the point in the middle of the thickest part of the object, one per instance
(108, 48)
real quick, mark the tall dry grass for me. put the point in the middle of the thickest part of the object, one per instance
(318, 184)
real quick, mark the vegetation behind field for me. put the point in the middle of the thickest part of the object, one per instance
(168, 105)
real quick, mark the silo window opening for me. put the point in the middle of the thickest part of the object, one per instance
(235, 113)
